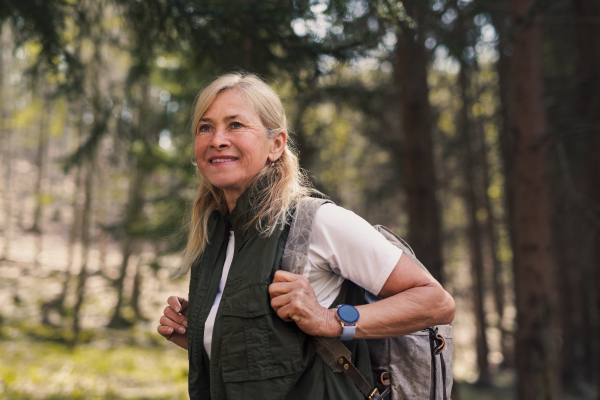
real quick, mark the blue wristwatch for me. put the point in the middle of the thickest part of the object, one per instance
(348, 316)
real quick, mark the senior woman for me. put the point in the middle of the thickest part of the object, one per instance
(246, 323)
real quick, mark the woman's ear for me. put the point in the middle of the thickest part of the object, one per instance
(277, 146)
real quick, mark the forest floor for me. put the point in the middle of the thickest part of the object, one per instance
(37, 364)
(34, 368)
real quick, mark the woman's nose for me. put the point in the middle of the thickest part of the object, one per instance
(220, 140)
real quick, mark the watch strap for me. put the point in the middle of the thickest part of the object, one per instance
(348, 332)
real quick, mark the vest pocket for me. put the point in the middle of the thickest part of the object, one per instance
(256, 343)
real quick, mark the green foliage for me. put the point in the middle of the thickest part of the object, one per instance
(44, 370)
(39, 21)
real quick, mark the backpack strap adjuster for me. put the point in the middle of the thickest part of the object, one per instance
(374, 395)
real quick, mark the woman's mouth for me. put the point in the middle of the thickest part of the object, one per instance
(223, 161)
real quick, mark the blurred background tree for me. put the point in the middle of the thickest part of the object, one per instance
(470, 128)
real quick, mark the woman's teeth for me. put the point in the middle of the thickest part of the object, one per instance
(220, 160)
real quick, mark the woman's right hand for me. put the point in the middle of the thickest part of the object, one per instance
(173, 324)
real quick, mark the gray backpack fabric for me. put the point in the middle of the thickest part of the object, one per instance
(417, 366)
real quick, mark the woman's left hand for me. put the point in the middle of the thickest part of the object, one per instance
(293, 299)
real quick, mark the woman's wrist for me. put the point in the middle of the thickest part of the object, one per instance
(332, 327)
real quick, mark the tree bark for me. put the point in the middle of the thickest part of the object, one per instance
(537, 337)
(474, 234)
(503, 69)
(58, 303)
(7, 136)
(568, 238)
(133, 210)
(7, 230)
(491, 236)
(134, 206)
(137, 289)
(42, 155)
(102, 212)
(419, 170)
(86, 234)
(588, 43)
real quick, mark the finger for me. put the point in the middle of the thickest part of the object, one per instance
(283, 314)
(172, 324)
(184, 304)
(285, 276)
(179, 305)
(165, 331)
(290, 312)
(279, 301)
(281, 288)
(175, 303)
(177, 317)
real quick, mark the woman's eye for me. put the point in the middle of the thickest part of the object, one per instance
(236, 125)
(203, 128)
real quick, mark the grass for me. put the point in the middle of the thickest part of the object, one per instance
(34, 369)
(37, 364)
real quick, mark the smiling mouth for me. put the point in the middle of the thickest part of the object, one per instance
(222, 160)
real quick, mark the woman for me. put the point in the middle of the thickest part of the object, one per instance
(246, 323)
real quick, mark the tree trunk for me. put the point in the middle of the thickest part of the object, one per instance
(537, 337)
(86, 234)
(133, 210)
(568, 238)
(474, 234)
(419, 171)
(103, 206)
(58, 303)
(7, 136)
(503, 68)
(98, 127)
(588, 42)
(492, 238)
(42, 155)
(137, 289)
(7, 230)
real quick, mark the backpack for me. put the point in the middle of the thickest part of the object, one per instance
(417, 366)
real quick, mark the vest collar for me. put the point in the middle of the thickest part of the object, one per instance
(243, 213)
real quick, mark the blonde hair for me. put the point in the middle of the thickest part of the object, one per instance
(285, 182)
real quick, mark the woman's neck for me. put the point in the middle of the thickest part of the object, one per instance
(232, 196)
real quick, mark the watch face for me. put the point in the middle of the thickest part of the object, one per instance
(347, 313)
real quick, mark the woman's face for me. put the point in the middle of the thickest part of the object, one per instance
(231, 144)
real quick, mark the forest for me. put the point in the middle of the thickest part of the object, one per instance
(469, 128)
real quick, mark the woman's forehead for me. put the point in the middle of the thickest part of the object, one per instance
(230, 104)
(231, 99)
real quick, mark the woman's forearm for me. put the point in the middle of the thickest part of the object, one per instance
(400, 314)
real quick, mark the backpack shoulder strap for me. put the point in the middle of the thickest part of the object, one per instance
(296, 247)
(333, 352)
(400, 243)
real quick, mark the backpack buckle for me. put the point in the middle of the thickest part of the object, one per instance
(375, 395)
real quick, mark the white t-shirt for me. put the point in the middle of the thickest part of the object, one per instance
(210, 320)
(342, 246)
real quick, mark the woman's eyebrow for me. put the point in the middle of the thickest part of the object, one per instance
(234, 117)
(224, 119)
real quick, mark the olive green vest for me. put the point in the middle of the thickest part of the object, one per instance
(255, 354)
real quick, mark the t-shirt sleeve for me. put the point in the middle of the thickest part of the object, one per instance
(352, 248)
